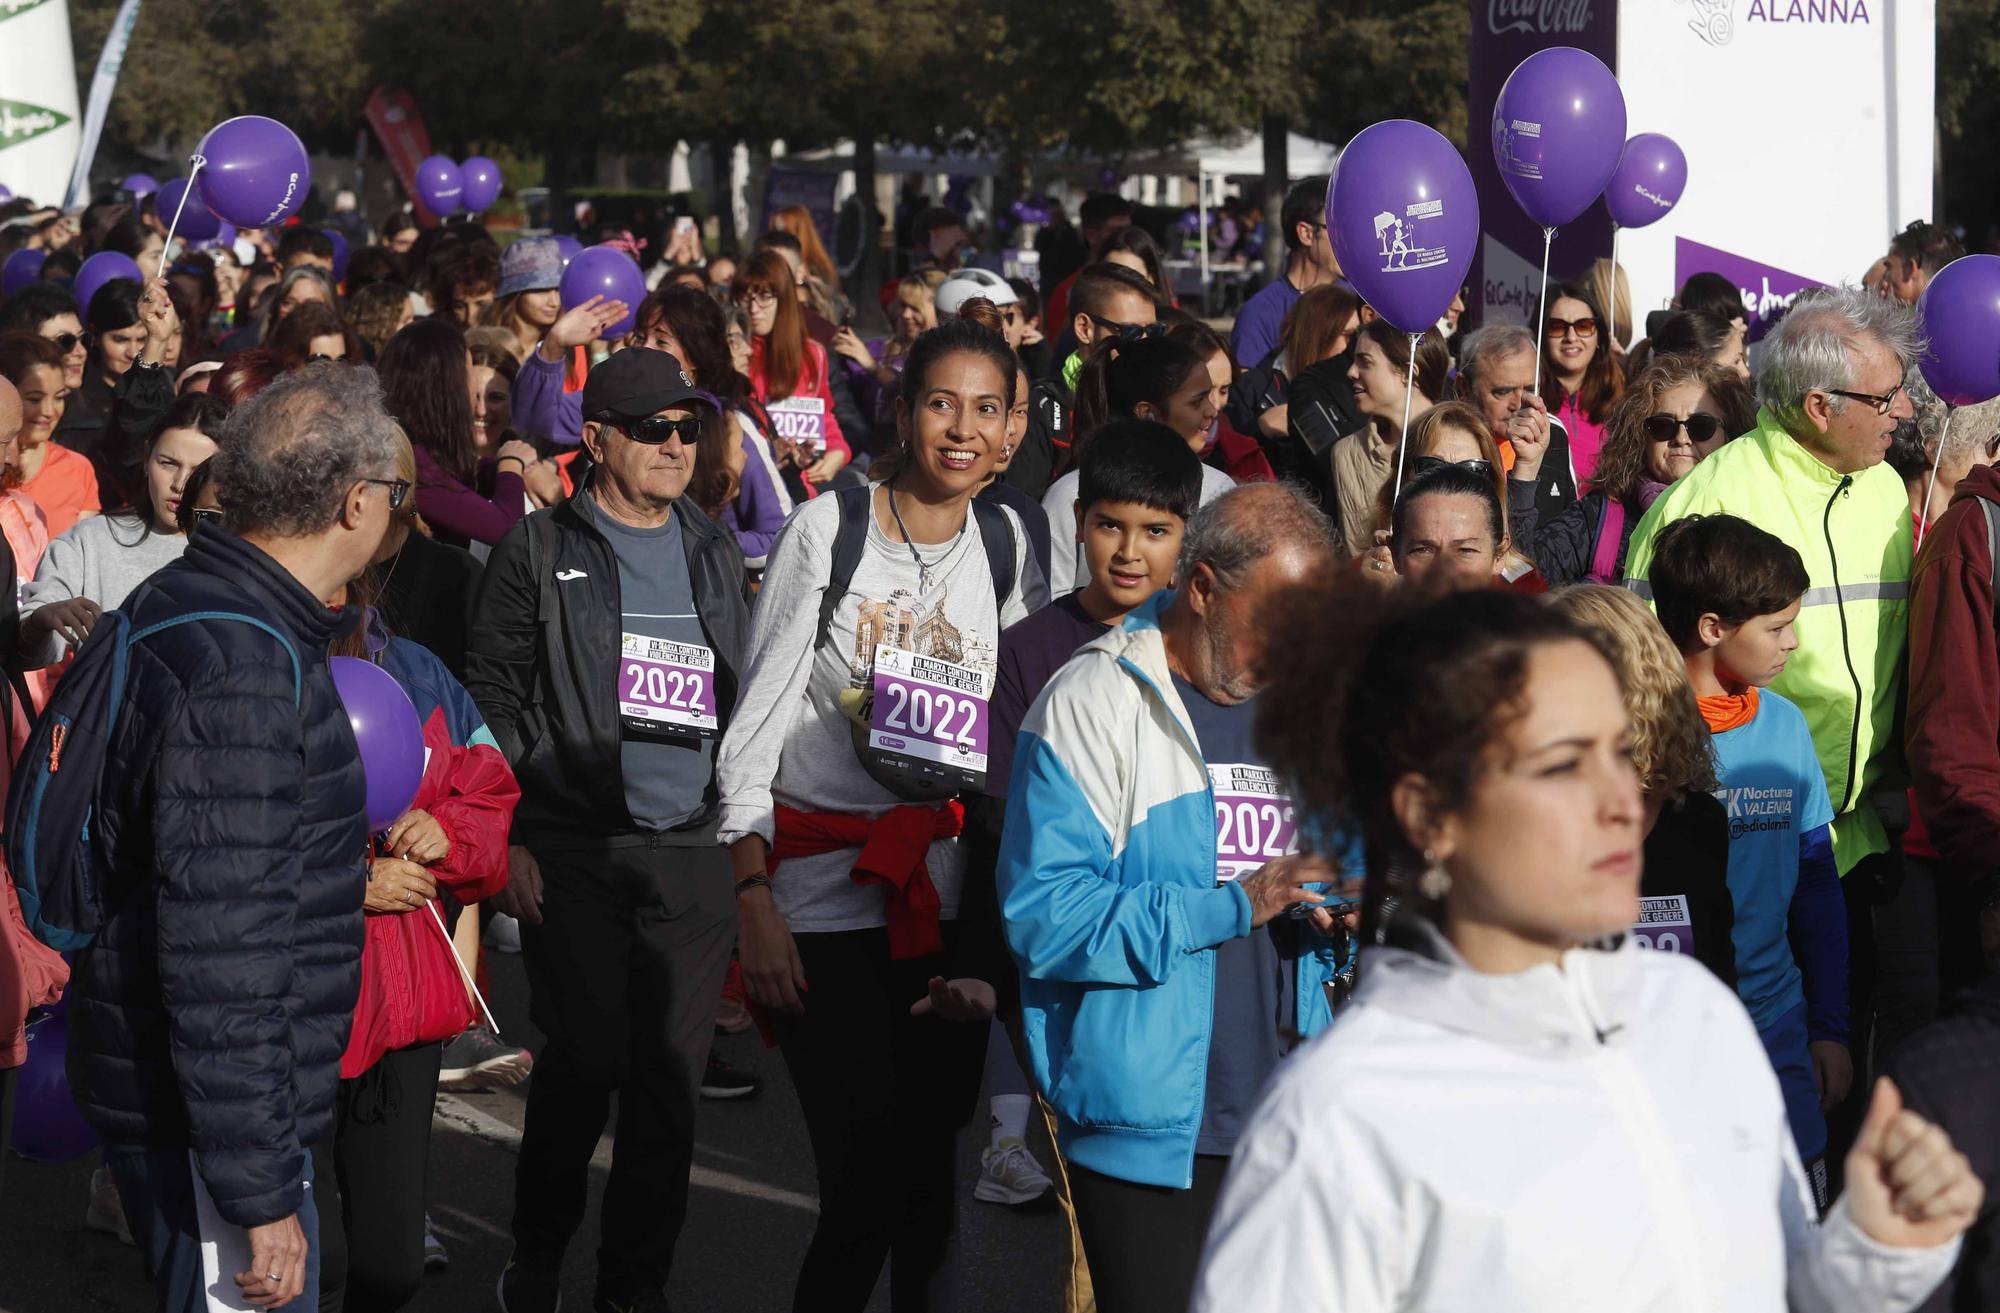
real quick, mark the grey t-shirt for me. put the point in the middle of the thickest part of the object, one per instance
(666, 775)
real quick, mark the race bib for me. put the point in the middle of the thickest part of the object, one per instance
(667, 684)
(1254, 820)
(801, 420)
(930, 715)
(1665, 924)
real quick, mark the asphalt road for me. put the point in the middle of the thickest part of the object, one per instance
(751, 1210)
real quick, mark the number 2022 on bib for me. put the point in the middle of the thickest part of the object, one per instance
(668, 685)
(930, 715)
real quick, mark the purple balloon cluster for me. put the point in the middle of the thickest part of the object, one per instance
(445, 187)
(1029, 210)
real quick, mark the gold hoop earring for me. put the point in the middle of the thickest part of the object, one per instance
(1435, 882)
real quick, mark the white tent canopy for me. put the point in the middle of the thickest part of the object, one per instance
(1237, 155)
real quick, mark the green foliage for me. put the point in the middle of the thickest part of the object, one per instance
(1371, 60)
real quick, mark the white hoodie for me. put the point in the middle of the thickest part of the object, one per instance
(1602, 1135)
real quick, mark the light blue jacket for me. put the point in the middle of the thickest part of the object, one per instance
(1107, 886)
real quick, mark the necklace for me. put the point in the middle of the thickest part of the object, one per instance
(923, 566)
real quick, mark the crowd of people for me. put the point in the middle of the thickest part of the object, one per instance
(1411, 837)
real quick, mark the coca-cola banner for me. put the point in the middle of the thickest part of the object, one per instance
(1504, 32)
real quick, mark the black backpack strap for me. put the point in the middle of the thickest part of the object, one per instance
(848, 543)
(997, 536)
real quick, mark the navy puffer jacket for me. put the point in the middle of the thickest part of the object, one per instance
(213, 1009)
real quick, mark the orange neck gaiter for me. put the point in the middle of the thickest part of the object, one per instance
(1729, 710)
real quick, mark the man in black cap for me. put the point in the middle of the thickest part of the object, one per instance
(605, 649)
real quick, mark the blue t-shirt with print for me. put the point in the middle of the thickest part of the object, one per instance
(1773, 792)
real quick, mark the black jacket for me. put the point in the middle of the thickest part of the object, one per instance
(1565, 547)
(1046, 443)
(107, 425)
(213, 1008)
(1687, 853)
(428, 589)
(542, 659)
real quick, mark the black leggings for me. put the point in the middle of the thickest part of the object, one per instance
(1144, 1242)
(381, 1148)
(885, 1095)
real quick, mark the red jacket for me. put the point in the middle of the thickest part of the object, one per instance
(812, 383)
(411, 989)
(1952, 729)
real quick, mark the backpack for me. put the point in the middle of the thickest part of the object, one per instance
(60, 773)
(849, 541)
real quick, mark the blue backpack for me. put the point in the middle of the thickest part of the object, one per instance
(56, 781)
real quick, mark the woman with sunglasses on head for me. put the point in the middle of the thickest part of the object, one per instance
(1452, 433)
(62, 484)
(1580, 378)
(1364, 462)
(94, 566)
(788, 370)
(1671, 416)
(49, 310)
(1520, 1104)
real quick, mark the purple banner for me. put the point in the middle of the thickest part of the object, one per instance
(1507, 271)
(1767, 292)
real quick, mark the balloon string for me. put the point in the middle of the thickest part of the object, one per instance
(453, 950)
(1542, 306)
(1611, 297)
(1930, 485)
(1409, 390)
(194, 167)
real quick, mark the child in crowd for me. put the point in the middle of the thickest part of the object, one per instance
(1727, 594)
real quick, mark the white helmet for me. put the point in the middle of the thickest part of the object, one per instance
(965, 284)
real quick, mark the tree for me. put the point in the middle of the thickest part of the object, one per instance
(1968, 64)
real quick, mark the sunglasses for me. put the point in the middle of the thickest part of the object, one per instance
(67, 342)
(1421, 464)
(1584, 327)
(1126, 332)
(207, 515)
(656, 429)
(1701, 426)
(399, 489)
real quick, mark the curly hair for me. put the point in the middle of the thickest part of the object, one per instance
(1379, 685)
(375, 312)
(1671, 745)
(1621, 463)
(290, 452)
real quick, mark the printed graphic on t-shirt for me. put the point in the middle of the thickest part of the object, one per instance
(1254, 820)
(1665, 923)
(920, 686)
(1753, 810)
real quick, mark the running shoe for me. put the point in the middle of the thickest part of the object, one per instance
(478, 1059)
(106, 1211)
(1009, 1174)
(722, 1081)
(436, 1257)
(526, 1286)
(503, 933)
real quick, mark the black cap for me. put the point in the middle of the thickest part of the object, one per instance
(638, 382)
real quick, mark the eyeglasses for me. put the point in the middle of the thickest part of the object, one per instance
(1584, 327)
(1700, 426)
(760, 296)
(1881, 403)
(398, 490)
(207, 515)
(656, 429)
(67, 342)
(1422, 464)
(1126, 332)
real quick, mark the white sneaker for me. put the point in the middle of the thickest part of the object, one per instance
(106, 1211)
(503, 933)
(1009, 1174)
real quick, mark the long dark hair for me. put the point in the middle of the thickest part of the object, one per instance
(1603, 380)
(426, 386)
(696, 321)
(949, 338)
(1115, 380)
(195, 410)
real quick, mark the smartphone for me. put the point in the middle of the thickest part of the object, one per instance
(684, 224)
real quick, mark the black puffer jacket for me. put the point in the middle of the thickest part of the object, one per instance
(213, 1008)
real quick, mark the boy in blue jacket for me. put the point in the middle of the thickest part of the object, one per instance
(1727, 593)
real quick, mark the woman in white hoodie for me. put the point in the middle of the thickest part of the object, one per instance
(1508, 1115)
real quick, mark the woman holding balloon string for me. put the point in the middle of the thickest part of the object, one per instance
(1580, 378)
(135, 337)
(1364, 462)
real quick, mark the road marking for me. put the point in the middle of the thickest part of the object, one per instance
(477, 1122)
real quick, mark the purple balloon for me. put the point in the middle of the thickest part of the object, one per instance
(1558, 130)
(6, 192)
(226, 237)
(1649, 180)
(1960, 315)
(604, 271)
(48, 1127)
(140, 184)
(569, 246)
(440, 186)
(255, 172)
(482, 183)
(1404, 220)
(197, 223)
(23, 267)
(340, 253)
(98, 270)
(387, 731)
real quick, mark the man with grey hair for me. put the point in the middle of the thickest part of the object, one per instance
(1496, 376)
(1146, 871)
(212, 1009)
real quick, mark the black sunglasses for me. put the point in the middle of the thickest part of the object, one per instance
(656, 429)
(66, 342)
(1126, 332)
(1421, 464)
(207, 515)
(1701, 426)
(398, 490)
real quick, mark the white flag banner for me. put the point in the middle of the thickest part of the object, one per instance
(109, 61)
(38, 115)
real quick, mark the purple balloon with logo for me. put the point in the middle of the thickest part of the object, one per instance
(1960, 315)
(1404, 220)
(387, 731)
(1649, 180)
(340, 253)
(440, 186)
(569, 246)
(482, 183)
(255, 172)
(607, 272)
(197, 222)
(1558, 131)
(140, 184)
(98, 270)
(23, 267)
(48, 1126)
